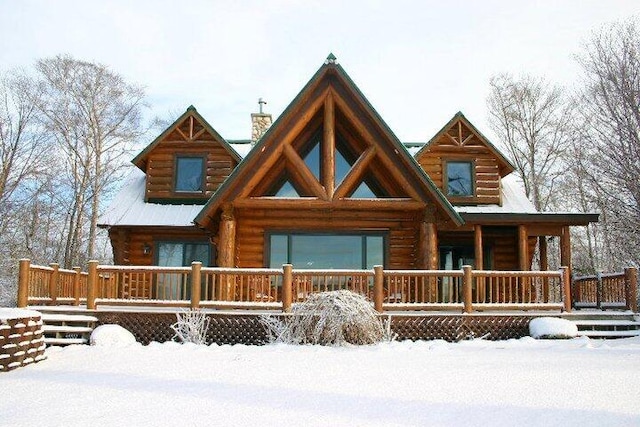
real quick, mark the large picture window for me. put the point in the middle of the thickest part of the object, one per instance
(326, 251)
(189, 174)
(172, 286)
(459, 179)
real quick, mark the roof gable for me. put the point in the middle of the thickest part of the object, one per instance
(188, 128)
(329, 107)
(460, 132)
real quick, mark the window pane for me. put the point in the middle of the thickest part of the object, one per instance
(375, 251)
(287, 190)
(312, 160)
(196, 252)
(459, 179)
(326, 251)
(189, 174)
(170, 254)
(279, 255)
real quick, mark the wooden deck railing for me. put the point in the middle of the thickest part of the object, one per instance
(611, 290)
(196, 286)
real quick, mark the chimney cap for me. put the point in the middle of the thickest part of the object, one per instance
(261, 102)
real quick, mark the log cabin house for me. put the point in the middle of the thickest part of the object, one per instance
(329, 186)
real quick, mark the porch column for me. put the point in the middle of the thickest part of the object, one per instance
(227, 250)
(565, 248)
(523, 248)
(428, 251)
(544, 266)
(479, 259)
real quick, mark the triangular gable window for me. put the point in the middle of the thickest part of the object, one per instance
(312, 159)
(364, 192)
(287, 190)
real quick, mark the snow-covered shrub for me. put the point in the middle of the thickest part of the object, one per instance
(552, 328)
(191, 327)
(111, 336)
(332, 318)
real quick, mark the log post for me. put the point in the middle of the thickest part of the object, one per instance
(23, 282)
(53, 282)
(631, 288)
(227, 250)
(566, 288)
(92, 285)
(467, 283)
(479, 257)
(378, 287)
(76, 285)
(196, 266)
(287, 285)
(523, 248)
(599, 289)
(544, 266)
(329, 146)
(565, 248)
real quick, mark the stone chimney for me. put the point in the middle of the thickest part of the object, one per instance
(260, 122)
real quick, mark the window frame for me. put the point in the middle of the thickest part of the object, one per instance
(363, 233)
(203, 175)
(445, 178)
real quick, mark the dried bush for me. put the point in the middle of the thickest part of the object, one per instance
(191, 327)
(334, 318)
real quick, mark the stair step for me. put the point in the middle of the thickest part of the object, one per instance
(46, 317)
(606, 323)
(611, 334)
(65, 341)
(67, 329)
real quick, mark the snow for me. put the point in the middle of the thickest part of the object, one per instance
(524, 382)
(16, 313)
(112, 336)
(514, 199)
(552, 327)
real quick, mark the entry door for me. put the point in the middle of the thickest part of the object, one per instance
(172, 286)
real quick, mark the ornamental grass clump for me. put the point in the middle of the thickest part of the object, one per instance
(191, 327)
(335, 318)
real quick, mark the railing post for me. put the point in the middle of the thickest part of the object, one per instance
(287, 284)
(53, 282)
(195, 284)
(378, 287)
(631, 288)
(467, 280)
(92, 285)
(23, 282)
(566, 288)
(599, 290)
(76, 286)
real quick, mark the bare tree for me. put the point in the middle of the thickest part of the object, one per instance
(532, 119)
(94, 115)
(610, 105)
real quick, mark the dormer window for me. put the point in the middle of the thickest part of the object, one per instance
(189, 174)
(459, 179)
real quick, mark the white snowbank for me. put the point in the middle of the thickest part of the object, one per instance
(111, 336)
(17, 313)
(525, 382)
(552, 327)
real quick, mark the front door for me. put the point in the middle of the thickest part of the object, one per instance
(172, 286)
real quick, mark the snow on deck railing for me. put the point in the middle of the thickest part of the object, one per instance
(607, 290)
(260, 288)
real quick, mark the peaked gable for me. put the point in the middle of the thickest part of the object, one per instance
(190, 127)
(464, 164)
(358, 155)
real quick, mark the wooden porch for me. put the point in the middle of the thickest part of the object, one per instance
(462, 291)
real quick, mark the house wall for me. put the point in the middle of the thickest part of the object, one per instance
(486, 168)
(402, 227)
(128, 242)
(161, 167)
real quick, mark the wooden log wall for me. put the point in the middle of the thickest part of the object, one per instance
(128, 243)
(161, 163)
(403, 227)
(449, 147)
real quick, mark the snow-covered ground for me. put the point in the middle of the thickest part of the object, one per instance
(522, 382)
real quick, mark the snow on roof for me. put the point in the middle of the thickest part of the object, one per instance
(129, 208)
(514, 199)
(242, 147)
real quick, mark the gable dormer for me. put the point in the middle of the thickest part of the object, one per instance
(187, 163)
(463, 164)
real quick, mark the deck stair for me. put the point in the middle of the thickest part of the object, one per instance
(606, 325)
(65, 329)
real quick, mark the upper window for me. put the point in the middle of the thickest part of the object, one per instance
(189, 174)
(459, 179)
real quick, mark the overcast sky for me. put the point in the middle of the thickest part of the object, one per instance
(418, 62)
